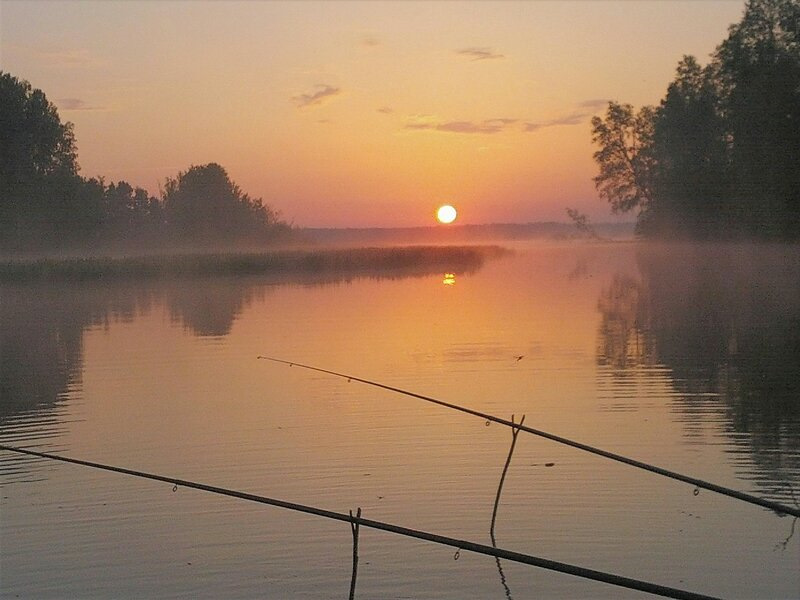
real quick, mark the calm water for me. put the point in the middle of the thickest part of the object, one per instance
(688, 358)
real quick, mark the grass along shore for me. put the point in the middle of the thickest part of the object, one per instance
(350, 261)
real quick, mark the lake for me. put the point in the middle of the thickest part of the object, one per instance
(686, 357)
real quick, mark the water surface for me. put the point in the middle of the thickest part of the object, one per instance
(687, 357)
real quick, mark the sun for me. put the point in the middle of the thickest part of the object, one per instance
(446, 214)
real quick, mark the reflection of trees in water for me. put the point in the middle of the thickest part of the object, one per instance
(726, 321)
(209, 307)
(42, 327)
(41, 357)
(42, 323)
(622, 341)
(41, 336)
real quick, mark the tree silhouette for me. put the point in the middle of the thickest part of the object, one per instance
(718, 157)
(758, 70)
(34, 141)
(625, 157)
(204, 206)
(689, 149)
(45, 204)
(39, 183)
(131, 215)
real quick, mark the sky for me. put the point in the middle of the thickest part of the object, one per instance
(358, 114)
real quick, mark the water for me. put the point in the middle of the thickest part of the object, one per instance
(685, 357)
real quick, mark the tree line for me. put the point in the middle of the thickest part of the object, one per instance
(719, 157)
(45, 204)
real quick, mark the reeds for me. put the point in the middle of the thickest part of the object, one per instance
(351, 260)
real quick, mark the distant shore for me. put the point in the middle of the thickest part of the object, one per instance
(368, 260)
(488, 233)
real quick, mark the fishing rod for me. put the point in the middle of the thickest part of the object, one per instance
(460, 545)
(697, 483)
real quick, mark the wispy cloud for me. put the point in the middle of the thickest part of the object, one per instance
(469, 127)
(571, 119)
(321, 94)
(482, 127)
(534, 126)
(580, 113)
(370, 41)
(480, 53)
(503, 122)
(585, 110)
(575, 118)
(595, 104)
(68, 104)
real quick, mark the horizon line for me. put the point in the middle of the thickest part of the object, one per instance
(461, 225)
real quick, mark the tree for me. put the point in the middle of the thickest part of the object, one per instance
(33, 141)
(582, 224)
(625, 157)
(203, 205)
(130, 214)
(719, 156)
(45, 204)
(690, 156)
(758, 69)
(41, 197)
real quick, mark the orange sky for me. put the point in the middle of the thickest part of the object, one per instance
(357, 113)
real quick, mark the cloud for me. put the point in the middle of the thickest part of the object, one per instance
(575, 118)
(480, 53)
(370, 41)
(534, 126)
(387, 110)
(503, 122)
(469, 127)
(483, 127)
(595, 104)
(585, 110)
(581, 112)
(322, 94)
(75, 104)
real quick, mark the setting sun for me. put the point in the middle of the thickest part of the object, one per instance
(446, 214)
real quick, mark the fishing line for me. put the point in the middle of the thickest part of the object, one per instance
(698, 483)
(460, 545)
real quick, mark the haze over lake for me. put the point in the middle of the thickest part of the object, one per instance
(684, 356)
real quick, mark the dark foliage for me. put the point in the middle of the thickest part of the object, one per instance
(39, 183)
(718, 158)
(46, 205)
(203, 207)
